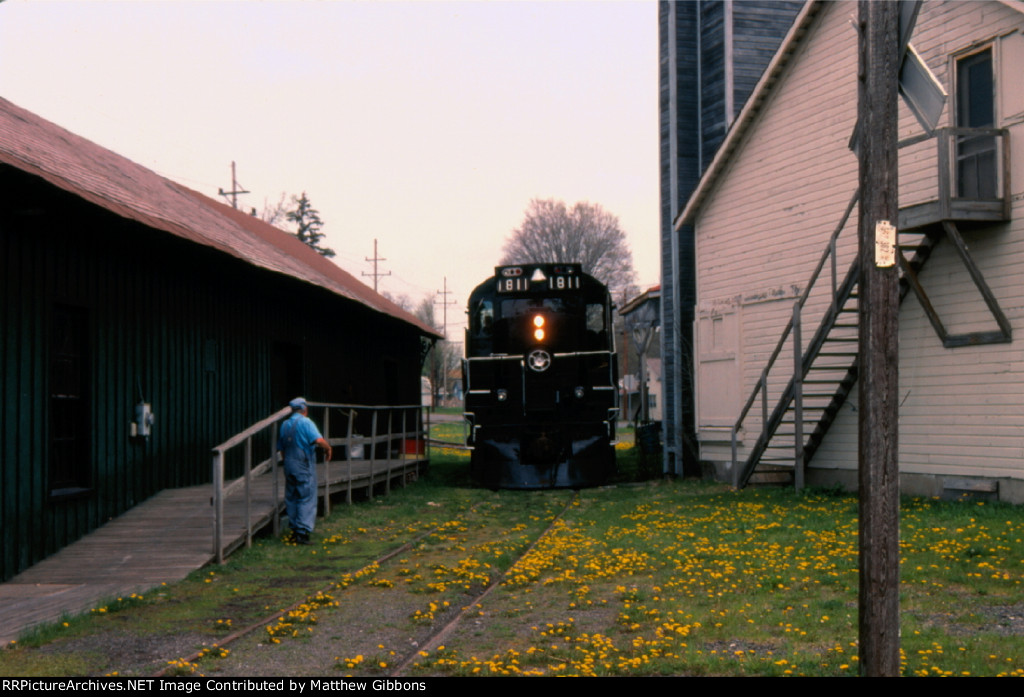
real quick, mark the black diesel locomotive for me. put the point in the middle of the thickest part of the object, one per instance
(540, 378)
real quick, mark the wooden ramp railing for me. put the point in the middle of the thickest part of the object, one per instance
(372, 445)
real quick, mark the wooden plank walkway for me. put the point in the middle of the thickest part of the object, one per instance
(162, 540)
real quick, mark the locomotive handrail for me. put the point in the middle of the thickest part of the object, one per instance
(516, 356)
(583, 353)
(611, 419)
(519, 357)
(414, 431)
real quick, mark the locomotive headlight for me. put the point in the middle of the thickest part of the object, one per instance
(579, 392)
(538, 331)
(502, 395)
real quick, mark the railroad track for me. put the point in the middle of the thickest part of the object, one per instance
(447, 444)
(435, 637)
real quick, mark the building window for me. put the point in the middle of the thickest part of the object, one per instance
(975, 108)
(69, 467)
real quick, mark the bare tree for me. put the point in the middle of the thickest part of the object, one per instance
(586, 233)
(402, 300)
(444, 357)
(273, 213)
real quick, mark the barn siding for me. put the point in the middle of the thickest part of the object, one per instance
(758, 28)
(766, 224)
(192, 326)
(769, 215)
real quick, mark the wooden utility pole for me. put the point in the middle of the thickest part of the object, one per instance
(235, 191)
(375, 259)
(878, 477)
(445, 303)
(444, 364)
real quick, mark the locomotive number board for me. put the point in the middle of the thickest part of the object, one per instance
(516, 279)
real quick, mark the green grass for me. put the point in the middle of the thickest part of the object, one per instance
(450, 411)
(451, 432)
(683, 578)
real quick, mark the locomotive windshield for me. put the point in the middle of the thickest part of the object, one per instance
(562, 323)
(556, 308)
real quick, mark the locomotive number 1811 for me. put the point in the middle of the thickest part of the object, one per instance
(524, 285)
(564, 283)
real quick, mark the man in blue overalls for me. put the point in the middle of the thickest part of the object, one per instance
(297, 443)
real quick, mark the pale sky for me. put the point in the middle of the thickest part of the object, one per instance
(426, 125)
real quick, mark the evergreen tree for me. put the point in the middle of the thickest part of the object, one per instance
(308, 224)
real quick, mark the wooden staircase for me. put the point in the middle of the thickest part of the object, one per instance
(811, 388)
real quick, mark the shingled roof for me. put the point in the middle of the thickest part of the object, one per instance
(34, 145)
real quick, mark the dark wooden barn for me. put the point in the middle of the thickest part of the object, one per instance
(118, 286)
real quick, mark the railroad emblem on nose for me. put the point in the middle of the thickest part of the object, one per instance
(539, 360)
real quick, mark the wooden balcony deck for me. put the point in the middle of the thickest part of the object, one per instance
(162, 540)
(952, 178)
(923, 215)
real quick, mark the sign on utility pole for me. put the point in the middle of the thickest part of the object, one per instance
(878, 473)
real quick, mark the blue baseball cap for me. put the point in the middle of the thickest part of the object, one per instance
(298, 404)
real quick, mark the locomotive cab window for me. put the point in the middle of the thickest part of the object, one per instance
(597, 326)
(483, 319)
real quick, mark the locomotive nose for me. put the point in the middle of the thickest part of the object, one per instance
(540, 378)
